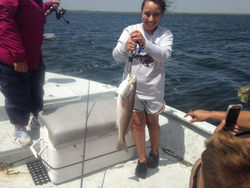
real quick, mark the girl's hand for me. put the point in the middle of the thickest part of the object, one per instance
(130, 45)
(137, 36)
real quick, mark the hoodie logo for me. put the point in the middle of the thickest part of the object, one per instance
(145, 59)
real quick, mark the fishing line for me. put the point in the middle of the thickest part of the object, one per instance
(86, 123)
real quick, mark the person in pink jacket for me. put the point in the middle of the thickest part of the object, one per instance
(22, 71)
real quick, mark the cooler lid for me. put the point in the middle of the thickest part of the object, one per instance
(66, 124)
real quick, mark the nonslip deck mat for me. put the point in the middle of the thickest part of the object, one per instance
(38, 172)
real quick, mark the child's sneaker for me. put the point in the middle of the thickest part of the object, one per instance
(153, 160)
(34, 124)
(22, 138)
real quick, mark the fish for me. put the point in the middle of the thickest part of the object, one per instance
(124, 109)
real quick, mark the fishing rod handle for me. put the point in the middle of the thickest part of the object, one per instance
(130, 59)
(129, 66)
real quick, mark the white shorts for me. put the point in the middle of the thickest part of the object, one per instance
(150, 107)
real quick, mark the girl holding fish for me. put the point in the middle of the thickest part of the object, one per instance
(152, 47)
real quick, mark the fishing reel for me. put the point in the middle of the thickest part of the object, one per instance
(60, 14)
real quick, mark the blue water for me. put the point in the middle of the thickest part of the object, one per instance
(209, 63)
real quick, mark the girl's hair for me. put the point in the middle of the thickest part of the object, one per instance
(163, 3)
(226, 161)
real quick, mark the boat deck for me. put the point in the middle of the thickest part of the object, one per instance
(184, 140)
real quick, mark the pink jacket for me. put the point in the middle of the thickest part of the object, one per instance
(21, 31)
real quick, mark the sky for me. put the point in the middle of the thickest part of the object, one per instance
(187, 6)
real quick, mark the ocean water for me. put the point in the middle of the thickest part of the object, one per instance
(210, 59)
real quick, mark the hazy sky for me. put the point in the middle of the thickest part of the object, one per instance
(194, 6)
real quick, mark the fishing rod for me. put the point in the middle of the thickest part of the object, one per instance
(59, 14)
(130, 58)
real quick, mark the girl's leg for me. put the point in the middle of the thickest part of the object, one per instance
(139, 123)
(154, 131)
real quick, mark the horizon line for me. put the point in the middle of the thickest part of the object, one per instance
(164, 13)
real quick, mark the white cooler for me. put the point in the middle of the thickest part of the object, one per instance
(62, 139)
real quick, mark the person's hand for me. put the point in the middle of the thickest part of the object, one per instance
(56, 4)
(220, 126)
(234, 129)
(130, 45)
(21, 66)
(198, 115)
(137, 36)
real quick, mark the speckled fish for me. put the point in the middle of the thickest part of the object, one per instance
(124, 109)
(244, 94)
